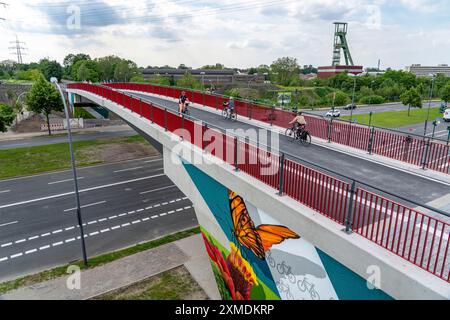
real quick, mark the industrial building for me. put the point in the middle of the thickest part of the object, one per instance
(428, 71)
(208, 77)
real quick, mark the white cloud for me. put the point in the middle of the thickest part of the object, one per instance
(248, 33)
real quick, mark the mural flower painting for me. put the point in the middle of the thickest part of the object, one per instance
(236, 272)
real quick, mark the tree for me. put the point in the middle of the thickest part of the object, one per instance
(412, 99)
(106, 67)
(125, 70)
(217, 66)
(44, 98)
(445, 93)
(50, 69)
(189, 81)
(71, 59)
(7, 116)
(285, 69)
(138, 78)
(83, 72)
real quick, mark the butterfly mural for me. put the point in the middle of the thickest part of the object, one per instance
(257, 239)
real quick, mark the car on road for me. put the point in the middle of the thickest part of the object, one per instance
(333, 114)
(350, 107)
(447, 115)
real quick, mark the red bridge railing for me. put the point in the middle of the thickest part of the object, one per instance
(417, 237)
(415, 150)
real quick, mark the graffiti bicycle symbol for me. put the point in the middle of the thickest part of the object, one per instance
(283, 288)
(284, 269)
(305, 286)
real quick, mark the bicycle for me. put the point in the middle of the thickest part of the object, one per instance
(302, 135)
(229, 114)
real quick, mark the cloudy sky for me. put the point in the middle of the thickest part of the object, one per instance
(236, 33)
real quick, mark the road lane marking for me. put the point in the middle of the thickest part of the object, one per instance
(155, 160)
(82, 191)
(8, 223)
(86, 206)
(159, 189)
(5, 191)
(56, 244)
(99, 221)
(62, 181)
(129, 169)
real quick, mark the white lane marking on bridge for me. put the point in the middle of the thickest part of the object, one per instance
(129, 169)
(6, 245)
(5, 191)
(82, 191)
(86, 206)
(8, 223)
(159, 189)
(95, 233)
(20, 241)
(62, 181)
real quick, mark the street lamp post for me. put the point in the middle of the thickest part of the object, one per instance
(429, 104)
(74, 172)
(203, 80)
(435, 123)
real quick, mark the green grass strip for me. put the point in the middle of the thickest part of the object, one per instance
(94, 261)
(396, 119)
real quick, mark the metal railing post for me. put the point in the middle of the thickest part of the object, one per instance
(140, 107)
(165, 119)
(272, 115)
(281, 185)
(330, 129)
(204, 128)
(349, 217)
(425, 157)
(250, 116)
(152, 116)
(236, 165)
(372, 136)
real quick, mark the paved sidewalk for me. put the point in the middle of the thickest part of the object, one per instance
(189, 252)
(18, 136)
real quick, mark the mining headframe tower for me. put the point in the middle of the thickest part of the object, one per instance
(340, 46)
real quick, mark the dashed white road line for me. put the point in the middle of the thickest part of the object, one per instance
(62, 181)
(86, 206)
(8, 223)
(129, 169)
(82, 191)
(98, 221)
(159, 189)
(5, 191)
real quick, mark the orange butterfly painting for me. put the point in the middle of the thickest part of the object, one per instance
(259, 240)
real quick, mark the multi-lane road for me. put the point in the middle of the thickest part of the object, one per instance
(122, 204)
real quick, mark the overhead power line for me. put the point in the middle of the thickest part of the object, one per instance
(18, 48)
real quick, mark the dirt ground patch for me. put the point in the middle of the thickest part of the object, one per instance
(118, 151)
(175, 284)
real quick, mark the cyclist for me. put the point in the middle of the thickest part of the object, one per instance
(229, 106)
(299, 123)
(182, 102)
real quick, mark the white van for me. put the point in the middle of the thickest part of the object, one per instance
(447, 115)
